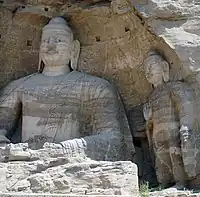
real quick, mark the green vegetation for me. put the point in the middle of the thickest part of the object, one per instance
(144, 189)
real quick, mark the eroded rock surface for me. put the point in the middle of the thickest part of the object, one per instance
(178, 23)
(69, 176)
(171, 120)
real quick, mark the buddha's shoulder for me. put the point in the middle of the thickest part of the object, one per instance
(19, 82)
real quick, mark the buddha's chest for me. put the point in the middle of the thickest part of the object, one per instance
(160, 99)
(51, 90)
(52, 113)
(53, 98)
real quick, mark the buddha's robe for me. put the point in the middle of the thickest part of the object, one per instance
(76, 108)
(170, 107)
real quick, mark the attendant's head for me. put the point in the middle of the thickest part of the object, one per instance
(156, 69)
(58, 47)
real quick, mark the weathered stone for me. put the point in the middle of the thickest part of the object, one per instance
(77, 110)
(64, 177)
(114, 42)
(68, 119)
(177, 22)
(109, 50)
(171, 119)
(55, 195)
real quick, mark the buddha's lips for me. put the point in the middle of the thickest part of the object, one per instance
(48, 51)
(51, 52)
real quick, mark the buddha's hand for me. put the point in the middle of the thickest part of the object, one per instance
(185, 133)
(147, 111)
(15, 152)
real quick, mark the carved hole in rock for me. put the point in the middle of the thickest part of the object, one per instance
(98, 39)
(23, 6)
(126, 29)
(1, 2)
(46, 9)
(29, 43)
(137, 142)
(0, 35)
(70, 67)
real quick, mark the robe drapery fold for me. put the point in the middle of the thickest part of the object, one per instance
(80, 111)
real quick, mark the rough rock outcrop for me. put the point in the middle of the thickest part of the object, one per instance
(173, 193)
(178, 23)
(64, 176)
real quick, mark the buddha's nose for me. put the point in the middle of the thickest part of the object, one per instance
(51, 44)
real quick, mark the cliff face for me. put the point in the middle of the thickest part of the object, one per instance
(178, 23)
(113, 40)
(115, 37)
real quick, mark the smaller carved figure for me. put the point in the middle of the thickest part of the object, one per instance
(170, 115)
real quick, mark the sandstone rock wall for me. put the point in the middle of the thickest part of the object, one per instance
(177, 22)
(113, 36)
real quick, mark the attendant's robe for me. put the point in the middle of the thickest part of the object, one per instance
(171, 106)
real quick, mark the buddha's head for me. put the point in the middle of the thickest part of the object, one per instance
(156, 69)
(58, 47)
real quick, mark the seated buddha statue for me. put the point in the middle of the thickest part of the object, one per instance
(61, 108)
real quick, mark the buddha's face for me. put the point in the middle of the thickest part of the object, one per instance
(154, 70)
(55, 48)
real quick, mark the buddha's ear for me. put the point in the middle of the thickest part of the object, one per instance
(40, 64)
(165, 66)
(75, 54)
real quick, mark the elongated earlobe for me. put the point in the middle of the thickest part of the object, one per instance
(165, 66)
(75, 54)
(40, 65)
